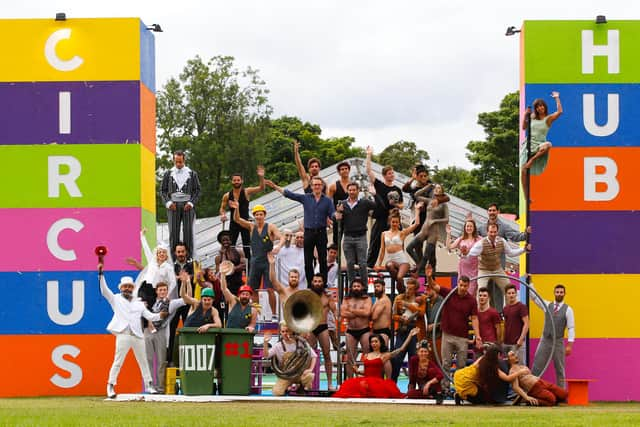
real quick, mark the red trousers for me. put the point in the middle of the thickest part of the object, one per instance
(548, 394)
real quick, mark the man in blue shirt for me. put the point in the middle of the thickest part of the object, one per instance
(318, 211)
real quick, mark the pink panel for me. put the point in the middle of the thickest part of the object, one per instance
(611, 362)
(25, 231)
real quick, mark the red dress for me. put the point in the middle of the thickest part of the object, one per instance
(371, 385)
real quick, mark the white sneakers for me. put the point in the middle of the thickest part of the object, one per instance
(111, 393)
(151, 389)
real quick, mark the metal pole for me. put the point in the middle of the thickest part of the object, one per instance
(526, 226)
(339, 364)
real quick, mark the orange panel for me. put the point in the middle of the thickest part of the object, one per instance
(147, 118)
(561, 186)
(30, 370)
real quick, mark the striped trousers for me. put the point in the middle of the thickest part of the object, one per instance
(187, 220)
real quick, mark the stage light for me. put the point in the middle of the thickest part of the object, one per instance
(511, 31)
(601, 19)
(155, 28)
(61, 16)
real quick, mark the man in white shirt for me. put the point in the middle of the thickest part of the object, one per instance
(291, 256)
(127, 328)
(562, 319)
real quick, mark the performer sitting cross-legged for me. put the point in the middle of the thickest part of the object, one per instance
(295, 360)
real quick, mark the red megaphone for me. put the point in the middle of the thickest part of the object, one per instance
(101, 251)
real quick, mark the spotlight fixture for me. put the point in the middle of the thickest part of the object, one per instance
(155, 28)
(61, 16)
(511, 31)
(601, 19)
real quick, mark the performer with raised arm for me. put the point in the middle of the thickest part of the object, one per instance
(241, 195)
(127, 328)
(202, 314)
(242, 314)
(313, 164)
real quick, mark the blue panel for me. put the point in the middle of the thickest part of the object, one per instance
(147, 57)
(25, 308)
(569, 130)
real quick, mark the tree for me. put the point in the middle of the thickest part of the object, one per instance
(496, 158)
(403, 156)
(220, 117)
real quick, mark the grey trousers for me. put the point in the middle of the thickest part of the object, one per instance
(355, 252)
(185, 218)
(156, 345)
(545, 348)
(453, 344)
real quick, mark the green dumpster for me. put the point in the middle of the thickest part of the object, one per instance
(197, 360)
(236, 349)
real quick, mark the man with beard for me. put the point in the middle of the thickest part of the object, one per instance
(127, 328)
(241, 195)
(263, 235)
(229, 253)
(242, 315)
(313, 164)
(381, 311)
(338, 191)
(388, 196)
(321, 333)
(283, 291)
(180, 191)
(356, 308)
(354, 216)
(202, 314)
(563, 318)
(508, 233)
(408, 311)
(290, 255)
(182, 263)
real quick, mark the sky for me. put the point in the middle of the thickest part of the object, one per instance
(379, 71)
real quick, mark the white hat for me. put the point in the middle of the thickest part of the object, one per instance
(126, 280)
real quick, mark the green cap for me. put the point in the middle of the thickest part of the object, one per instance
(207, 292)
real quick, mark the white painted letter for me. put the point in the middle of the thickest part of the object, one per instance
(64, 112)
(75, 372)
(592, 178)
(56, 178)
(52, 57)
(610, 50)
(54, 232)
(589, 114)
(77, 303)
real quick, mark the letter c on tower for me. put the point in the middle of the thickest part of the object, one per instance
(52, 57)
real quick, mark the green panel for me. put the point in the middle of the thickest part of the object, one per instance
(553, 52)
(109, 177)
(148, 220)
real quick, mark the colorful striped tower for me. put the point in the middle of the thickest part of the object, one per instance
(585, 205)
(77, 143)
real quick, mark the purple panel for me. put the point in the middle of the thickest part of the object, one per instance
(101, 113)
(584, 242)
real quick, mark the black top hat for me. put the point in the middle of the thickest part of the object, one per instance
(222, 234)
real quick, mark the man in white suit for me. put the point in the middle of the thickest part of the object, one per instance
(126, 325)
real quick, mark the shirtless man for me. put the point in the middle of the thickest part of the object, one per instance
(381, 311)
(321, 333)
(533, 389)
(356, 308)
(283, 291)
(313, 164)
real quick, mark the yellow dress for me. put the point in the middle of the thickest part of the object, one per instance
(465, 381)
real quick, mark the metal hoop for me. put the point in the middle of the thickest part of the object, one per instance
(522, 282)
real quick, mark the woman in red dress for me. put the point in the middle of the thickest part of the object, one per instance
(424, 375)
(373, 384)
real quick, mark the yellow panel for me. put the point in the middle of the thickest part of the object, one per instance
(604, 305)
(148, 179)
(109, 49)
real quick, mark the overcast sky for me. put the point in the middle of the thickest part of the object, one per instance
(379, 71)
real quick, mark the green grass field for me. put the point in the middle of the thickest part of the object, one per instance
(93, 411)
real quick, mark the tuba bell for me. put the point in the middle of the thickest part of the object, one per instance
(303, 311)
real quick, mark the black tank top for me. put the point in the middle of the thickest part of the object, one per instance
(339, 194)
(243, 203)
(199, 317)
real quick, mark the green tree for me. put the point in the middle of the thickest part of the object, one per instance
(403, 156)
(219, 116)
(279, 162)
(496, 157)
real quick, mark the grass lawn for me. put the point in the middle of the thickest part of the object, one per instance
(87, 411)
